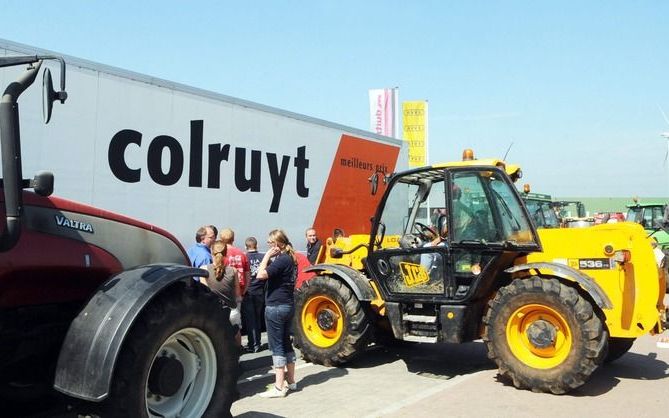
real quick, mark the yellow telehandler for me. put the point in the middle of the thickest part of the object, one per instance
(550, 305)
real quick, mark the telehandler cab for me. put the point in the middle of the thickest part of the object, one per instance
(551, 306)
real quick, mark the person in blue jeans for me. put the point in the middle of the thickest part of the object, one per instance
(279, 268)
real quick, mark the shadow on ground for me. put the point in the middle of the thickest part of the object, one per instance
(264, 363)
(630, 366)
(438, 361)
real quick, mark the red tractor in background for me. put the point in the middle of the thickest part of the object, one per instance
(102, 307)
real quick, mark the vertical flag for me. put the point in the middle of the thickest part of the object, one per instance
(415, 131)
(382, 111)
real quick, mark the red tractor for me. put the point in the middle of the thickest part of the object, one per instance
(101, 307)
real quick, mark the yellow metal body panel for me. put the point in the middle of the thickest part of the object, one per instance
(634, 287)
(353, 260)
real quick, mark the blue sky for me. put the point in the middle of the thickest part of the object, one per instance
(576, 86)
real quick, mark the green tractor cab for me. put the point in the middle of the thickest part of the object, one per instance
(651, 217)
(541, 209)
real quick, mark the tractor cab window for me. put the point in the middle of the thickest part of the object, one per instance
(542, 213)
(486, 209)
(647, 216)
(408, 219)
(472, 213)
(634, 214)
(658, 215)
(395, 216)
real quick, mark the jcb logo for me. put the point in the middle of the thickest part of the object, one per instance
(413, 274)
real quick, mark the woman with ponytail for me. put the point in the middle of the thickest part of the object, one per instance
(279, 268)
(224, 282)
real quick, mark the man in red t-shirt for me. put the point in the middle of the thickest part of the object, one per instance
(236, 258)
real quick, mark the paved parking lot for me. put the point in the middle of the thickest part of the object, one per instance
(428, 380)
(453, 380)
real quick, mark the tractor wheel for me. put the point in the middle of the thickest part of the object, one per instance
(179, 359)
(331, 325)
(617, 348)
(544, 335)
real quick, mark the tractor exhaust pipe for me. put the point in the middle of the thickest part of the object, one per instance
(10, 141)
(12, 176)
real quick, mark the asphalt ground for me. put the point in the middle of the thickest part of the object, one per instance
(428, 380)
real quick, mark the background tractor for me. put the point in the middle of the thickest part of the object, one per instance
(547, 213)
(653, 217)
(540, 208)
(551, 306)
(100, 306)
(572, 214)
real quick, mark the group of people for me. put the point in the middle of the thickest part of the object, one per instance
(253, 284)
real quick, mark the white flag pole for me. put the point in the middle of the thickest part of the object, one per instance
(396, 113)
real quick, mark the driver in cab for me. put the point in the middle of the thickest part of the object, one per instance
(437, 239)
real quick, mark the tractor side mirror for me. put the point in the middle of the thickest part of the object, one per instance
(380, 235)
(374, 182)
(49, 95)
(42, 183)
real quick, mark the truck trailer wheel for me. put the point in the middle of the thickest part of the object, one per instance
(543, 335)
(331, 325)
(178, 360)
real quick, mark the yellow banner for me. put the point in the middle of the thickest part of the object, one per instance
(414, 129)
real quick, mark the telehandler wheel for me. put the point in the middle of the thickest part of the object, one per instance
(544, 335)
(617, 348)
(179, 359)
(331, 325)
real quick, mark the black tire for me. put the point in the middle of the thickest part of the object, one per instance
(346, 327)
(568, 339)
(187, 323)
(617, 348)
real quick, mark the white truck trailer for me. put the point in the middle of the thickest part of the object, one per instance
(181, 157)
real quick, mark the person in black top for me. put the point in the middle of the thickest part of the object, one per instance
(254, 298)
(279, 268)
(313, 245)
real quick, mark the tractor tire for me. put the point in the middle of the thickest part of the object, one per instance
(617, 348)
(543, 335)
(331, 325)
(179, 358)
